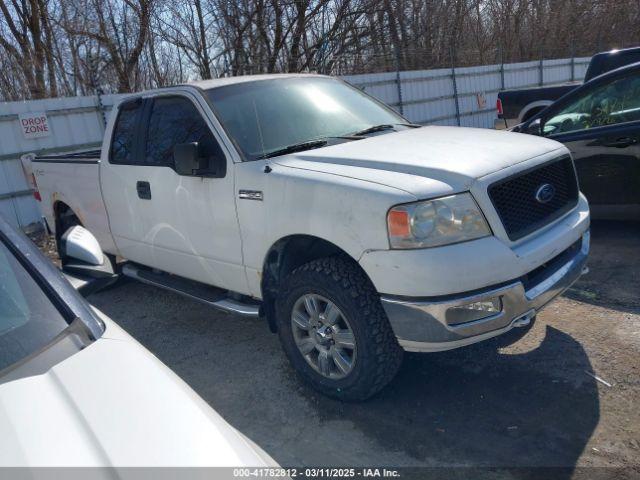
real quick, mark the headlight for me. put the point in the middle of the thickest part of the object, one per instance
(436, 222)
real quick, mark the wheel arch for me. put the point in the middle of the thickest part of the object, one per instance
(61, 210)
(287, 254)
(530, 110)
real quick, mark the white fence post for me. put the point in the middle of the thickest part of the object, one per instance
(454, 84)
(398, 81)
(541, 72)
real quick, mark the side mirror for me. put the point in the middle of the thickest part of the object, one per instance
(185, 156)
(78, 243)
(196, 159)
(83, 262)
(534, 127)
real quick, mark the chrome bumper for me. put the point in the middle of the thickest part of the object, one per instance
(423, 326)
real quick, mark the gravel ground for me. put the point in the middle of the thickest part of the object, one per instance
(533, 403)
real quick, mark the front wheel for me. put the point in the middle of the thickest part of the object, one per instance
(335, 331)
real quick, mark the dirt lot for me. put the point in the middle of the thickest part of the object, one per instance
(530, 404)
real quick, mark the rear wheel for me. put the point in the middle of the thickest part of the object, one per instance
(335, 331)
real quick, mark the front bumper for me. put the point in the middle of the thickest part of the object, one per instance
(425, 325)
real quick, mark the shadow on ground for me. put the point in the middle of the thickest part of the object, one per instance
(480, 406)
(614, 267)
(468, 407)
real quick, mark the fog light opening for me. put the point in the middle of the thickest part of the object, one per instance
(474, 311)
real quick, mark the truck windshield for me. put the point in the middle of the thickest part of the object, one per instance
(28, 319)
(270, 115)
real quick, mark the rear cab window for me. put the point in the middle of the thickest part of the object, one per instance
(620, 59)
(125, 133)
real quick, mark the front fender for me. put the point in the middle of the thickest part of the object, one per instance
(346, 212)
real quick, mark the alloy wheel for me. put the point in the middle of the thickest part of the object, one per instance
(323, 336)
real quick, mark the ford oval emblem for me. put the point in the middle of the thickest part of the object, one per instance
(545, 193)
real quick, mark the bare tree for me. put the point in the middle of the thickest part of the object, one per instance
(120, 28)
(71, 47)
(187, 26)
(29, 44)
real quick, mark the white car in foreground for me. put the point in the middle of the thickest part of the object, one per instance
(77, 390)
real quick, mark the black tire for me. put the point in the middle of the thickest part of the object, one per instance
(341, 281)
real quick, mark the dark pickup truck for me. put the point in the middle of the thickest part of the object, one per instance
(517, 106)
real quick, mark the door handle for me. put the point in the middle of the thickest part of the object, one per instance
(144, 190)
(620, 142)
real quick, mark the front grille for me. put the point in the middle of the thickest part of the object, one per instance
(514, 198)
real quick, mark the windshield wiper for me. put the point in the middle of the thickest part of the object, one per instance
(296, 147)
(384, 126)
(309, 144)
(375, 128)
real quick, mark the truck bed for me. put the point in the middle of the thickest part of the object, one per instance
(517, 102)
(73, 180)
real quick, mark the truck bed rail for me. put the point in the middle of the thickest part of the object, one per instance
(93, 154)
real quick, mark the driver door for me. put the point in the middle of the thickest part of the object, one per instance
(601, 127)
(181, 224)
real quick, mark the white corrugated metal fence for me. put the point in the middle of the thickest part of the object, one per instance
(463, 96)
(74, 123)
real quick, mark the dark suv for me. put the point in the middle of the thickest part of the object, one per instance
(600, 123)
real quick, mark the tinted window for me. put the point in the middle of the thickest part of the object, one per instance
(615, 102)
(28, 319)
(124, 133)
(265, 116)
(620, 60)
(176, 120)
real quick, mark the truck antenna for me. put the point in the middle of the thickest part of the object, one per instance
(267, 168)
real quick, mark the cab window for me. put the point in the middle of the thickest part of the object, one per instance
(123, 142)
(176, 120)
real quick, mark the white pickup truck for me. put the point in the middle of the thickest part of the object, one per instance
(302, 200)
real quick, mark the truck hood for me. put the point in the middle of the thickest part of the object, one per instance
(114, 404)
(429, 160)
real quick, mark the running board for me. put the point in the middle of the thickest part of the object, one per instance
(212, 296)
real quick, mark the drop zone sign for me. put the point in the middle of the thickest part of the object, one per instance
(34, 125)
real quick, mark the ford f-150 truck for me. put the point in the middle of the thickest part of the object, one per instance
(353, 233)
(519, 105)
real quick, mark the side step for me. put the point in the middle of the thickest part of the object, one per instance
(215, 297)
